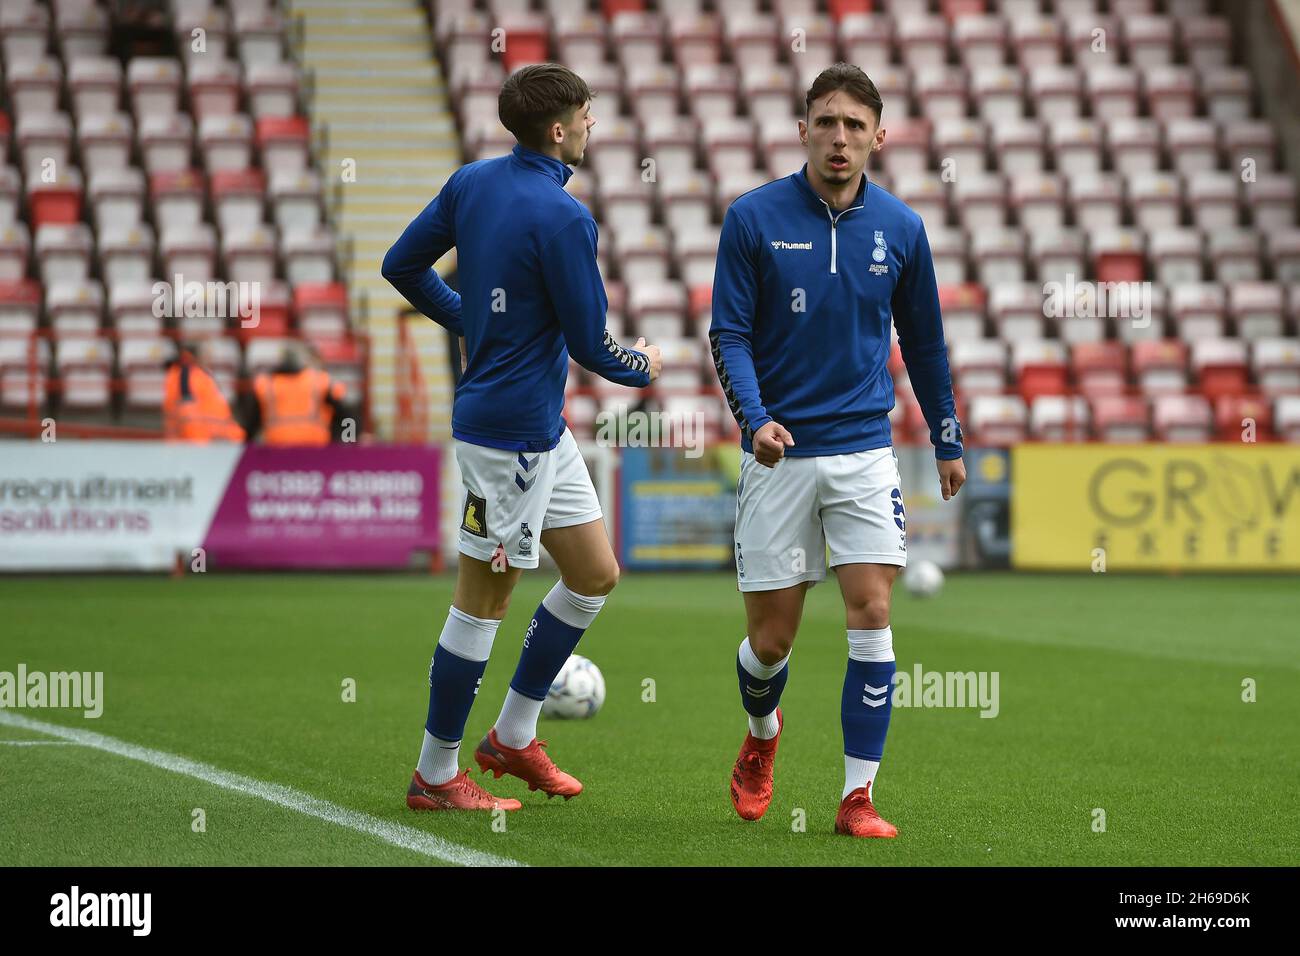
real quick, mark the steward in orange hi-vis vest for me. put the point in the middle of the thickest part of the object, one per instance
(295, 405)
(194, 409)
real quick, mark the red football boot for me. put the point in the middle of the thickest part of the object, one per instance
(531, 765)
(858, 817)
(751, 778)
(458, 793)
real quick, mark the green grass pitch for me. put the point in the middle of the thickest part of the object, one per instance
(1116, 693)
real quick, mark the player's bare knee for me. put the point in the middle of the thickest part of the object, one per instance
(596, 583)
(771, 645)
(870, 612)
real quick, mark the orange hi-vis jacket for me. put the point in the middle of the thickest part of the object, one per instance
(194, 409)
(295, 407)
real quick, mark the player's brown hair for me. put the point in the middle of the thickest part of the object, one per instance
(533, 97)
(847, 77)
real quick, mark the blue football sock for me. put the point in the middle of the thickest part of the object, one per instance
(760, 684)
(453, 682)
(557, 626)
(865, 707)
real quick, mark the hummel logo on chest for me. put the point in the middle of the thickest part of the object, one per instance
(782, 244)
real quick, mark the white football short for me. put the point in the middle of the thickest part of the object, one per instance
(787, 515)
(511, 497)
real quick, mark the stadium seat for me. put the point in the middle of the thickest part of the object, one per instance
(34, 85)
(866, 37)
(1271, 200)
(1056, 93)
(85, 368)
(142, 363)
(283, 143)
(1021, 147)
(1276, 363)
(948, 249)
(1040, 367)
(1235, 255)
(309, 255)
(1160, 366)
(1038, 40)
(1156, 200)
(24, 371)
(998, 253)
(671, 141)
(297, 199)
(1177, 256)
(1199, 310)
(1193, 145)
(1286, 417)
(1096, 199)
(1170, 92)
(1213, 200)
(238, 198)
(44, 140)
(20, 307)
(250, 253)
(126, 252)
(998, 419)
(177, 197)
(1220, 366)
(1206, 41)
(1257, 309)
(963, 309)
(63, 251)
(272, 89)
(82, 30)
(1099, 368)
(15, 250)
(1016, 309)
(321, 306)
(1182, 418)
(1235, 414)
(117, 196)
(131, 309)
(1121, 418)
(1227, 93)
(1284, 254)
(58, 201)
(226, 142)
(214, 87)
(978, 365)
(1039, 202)
(259, 36)
(190, 250)
(154, 84)
(1059, 418)
(1058, 254)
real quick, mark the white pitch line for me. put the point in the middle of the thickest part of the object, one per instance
(38, 743)
(397, 834)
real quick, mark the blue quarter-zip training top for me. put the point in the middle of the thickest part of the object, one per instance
(531, 296)
(802, 299)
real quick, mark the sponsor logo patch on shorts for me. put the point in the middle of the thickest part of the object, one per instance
(475, 515)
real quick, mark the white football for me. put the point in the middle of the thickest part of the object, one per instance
(577, 691)
(923, 579)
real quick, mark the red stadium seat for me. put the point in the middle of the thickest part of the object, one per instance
(1040, 367)
(1220, 366)
(1234, 414)
(1099, 368)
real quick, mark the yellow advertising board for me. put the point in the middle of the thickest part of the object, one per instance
(1228, 507)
